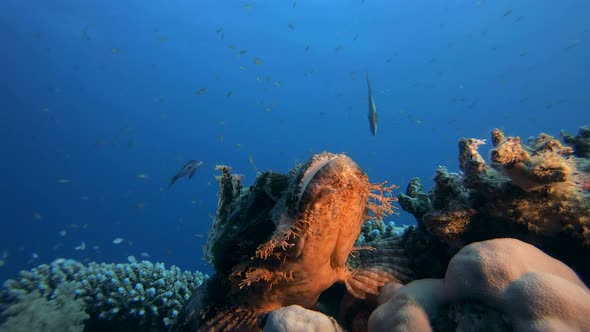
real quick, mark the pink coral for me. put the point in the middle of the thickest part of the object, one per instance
(410, 308)
(483, 270)
(534, 291)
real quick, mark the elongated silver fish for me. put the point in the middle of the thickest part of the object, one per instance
(372, 109)
(187, 170)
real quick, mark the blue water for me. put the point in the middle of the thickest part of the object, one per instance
(99, 92)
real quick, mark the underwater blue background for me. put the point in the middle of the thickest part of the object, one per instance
(100, 105)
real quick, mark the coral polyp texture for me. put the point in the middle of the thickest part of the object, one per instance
(536, 191)
(138, 296)
(495, 285)
(288, 238)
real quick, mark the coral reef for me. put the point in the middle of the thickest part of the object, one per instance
(495, 285)
(62, 312)
(137, 296)
(510, 283)
(316, 239)
(375, 230)
(411, 307)
(580, 142)
(536, 192)
(288, 238)
(295, 318)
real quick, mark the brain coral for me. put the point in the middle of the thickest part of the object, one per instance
(533, 291)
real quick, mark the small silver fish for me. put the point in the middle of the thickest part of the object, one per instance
(372, 109)
(187, 170)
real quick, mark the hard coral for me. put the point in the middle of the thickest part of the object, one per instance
(295, 318)
(580, 142)
(496, 278)
(411, 307)
(137, 296)
(63, 312)
(535, 290)
(534, 192)
(545, 168)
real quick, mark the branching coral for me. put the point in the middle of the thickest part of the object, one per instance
(137, 295)
(64, 311)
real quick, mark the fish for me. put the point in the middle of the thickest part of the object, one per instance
(187, 170)
(81, 247)
(251, 161)
(118, 240)
(143, 176)
(372, 109)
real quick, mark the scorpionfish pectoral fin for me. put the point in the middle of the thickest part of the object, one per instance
(235, 318)
(374, 267)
